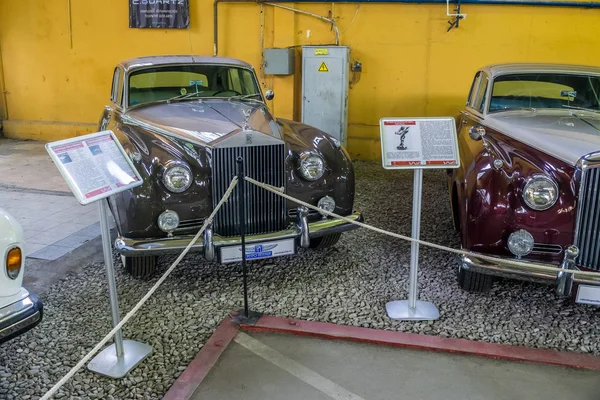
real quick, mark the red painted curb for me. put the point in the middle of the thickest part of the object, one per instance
(187, 383)
(425, 342)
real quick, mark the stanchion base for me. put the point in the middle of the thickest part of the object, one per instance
(251, 319)
(107, 363)
(424, 311)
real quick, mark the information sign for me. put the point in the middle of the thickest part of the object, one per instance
(94, 166)
(408, 143)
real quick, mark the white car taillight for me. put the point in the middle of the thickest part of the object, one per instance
(14, 260)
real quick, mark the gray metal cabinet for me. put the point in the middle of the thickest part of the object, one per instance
(325, 85)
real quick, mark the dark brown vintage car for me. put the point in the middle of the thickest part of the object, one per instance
(184, 120)
(529, 184)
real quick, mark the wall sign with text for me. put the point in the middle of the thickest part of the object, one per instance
(159, 14)
(408, 143)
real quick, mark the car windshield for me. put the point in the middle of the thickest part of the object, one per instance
(190, 81)
(545, 90)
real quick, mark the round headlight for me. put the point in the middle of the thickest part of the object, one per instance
(168, 221)
(312, 167)
(177, 178)
(520, 243)
(540, 193)
(327, 203)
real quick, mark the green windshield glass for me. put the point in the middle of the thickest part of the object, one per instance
(190, 81)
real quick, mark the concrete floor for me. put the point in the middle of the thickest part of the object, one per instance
(33, 191)
(350, 370)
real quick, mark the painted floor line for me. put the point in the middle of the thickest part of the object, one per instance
(309, 376)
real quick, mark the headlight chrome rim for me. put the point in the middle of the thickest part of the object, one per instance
(305, 158)
(168, 214)
(534, 180)
(329, 200)
(172, 166)
(523, 238)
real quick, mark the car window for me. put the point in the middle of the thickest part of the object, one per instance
(479, 101)
(545, 90)
(115, 85)
(162, 83)
(473, 88)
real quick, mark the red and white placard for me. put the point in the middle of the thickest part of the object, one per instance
(95, 166)
(408, 143)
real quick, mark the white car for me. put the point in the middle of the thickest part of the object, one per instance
(19, 309)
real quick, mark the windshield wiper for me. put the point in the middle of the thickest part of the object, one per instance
(580, 108)
(183, 96)
(246, 97)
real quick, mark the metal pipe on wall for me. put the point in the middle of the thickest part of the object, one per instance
(576, 4)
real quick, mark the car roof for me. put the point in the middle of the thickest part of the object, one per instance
(494, 70)
(139, 62)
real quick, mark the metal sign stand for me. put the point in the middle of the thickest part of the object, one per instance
(116, 360)
(413, 309)
(248, 317)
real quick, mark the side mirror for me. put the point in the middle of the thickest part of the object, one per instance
(477, 132)
(269, 94)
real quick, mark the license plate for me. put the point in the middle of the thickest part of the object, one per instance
(587, 294)
(258, 251)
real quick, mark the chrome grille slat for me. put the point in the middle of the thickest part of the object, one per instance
(546, 248)
(265, 212)
(588, 225)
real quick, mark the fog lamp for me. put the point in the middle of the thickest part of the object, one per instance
(168, 221)
(14, 259)
(327, 203)
(520, 243)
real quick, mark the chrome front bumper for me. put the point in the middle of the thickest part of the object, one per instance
(562, 281)
(209, 243)
(19, 317)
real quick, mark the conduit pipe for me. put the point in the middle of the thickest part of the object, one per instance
(216, 18)
(543, 3)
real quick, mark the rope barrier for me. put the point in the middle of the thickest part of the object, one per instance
(131, 313)
(279, 191)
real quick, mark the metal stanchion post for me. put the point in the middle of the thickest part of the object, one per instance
(413, 309)
(248, 317)
(118, 359)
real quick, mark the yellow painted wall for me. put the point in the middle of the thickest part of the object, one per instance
(57, 78)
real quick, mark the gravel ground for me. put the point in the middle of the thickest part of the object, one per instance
(348, 284)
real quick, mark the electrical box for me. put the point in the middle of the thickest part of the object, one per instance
(279, 61)
(325, 85)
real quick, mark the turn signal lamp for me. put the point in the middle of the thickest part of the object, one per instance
(14, 259)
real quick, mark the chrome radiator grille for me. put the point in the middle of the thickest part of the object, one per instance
(588, 222)
(265, 212)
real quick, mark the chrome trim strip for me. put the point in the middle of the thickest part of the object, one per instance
(20, 325)
(15, 309)
(158, 246)
(521, 272)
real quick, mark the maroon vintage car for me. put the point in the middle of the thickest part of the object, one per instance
(528, 185)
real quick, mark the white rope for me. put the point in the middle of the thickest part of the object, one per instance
(279, 191)
(131, 313)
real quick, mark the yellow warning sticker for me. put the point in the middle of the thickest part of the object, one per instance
(321, 52)
(323, 67)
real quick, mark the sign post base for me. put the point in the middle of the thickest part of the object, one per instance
(107, 362)
(400, 309)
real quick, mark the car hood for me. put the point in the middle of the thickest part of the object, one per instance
(204, 121)
(564, 134)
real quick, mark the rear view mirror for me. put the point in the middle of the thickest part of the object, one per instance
(269, 94)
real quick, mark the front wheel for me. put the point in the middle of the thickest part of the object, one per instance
(325, 241)
(474, 282)
(140, 267)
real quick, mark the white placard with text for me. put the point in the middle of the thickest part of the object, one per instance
(408, 143)
(94, 166)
